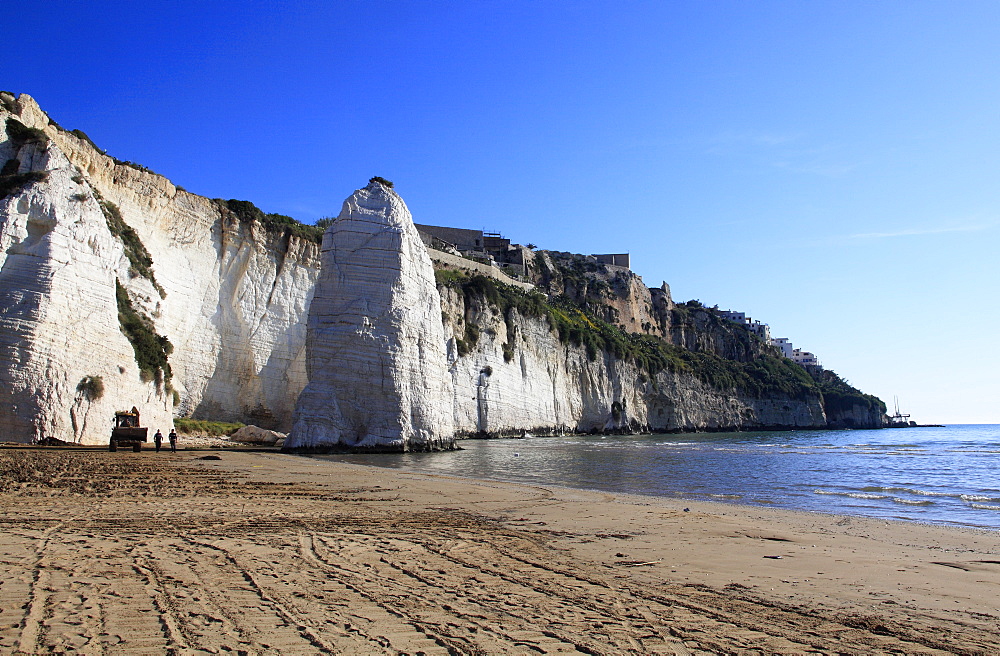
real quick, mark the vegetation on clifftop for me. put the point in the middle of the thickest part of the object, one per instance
(10, 180)
(839, 397)
(277, 224)
(8, 101)
(763, 377)
(83, 135)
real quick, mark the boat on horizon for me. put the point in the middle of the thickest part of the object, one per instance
(900, 420)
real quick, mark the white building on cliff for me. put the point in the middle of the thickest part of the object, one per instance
(785, 345)
(758, 328)
(804, 358)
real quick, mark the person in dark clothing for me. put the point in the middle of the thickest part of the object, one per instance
(173, 439)
(158, 440)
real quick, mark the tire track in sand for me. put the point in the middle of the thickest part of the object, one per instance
(757, 620)
(476, 608)
(308, 569)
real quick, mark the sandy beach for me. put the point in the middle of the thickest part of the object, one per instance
(223, 551)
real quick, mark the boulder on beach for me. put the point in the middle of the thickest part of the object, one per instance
(257, 435)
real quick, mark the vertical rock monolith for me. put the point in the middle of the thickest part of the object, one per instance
(375, 346)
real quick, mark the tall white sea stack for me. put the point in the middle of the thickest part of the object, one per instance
(375, 347)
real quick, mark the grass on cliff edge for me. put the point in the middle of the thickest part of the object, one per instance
(766, 376)
(839, 397)
(277, 224)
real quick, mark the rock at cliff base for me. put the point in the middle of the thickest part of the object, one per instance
(256, 435)
(375, 348)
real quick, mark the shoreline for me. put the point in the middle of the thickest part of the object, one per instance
(220, 445)
(268, 553)
(651, 497)
(858, 474)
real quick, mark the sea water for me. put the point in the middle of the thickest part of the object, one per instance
(947, 475)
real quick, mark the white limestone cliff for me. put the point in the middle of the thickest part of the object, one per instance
(235, 304)
(551, 386)
(58, 311)
(375, 349)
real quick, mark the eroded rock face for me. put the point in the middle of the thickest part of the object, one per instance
(235, 304)
(375, 349)
(235, 307)
(548, 386)
(59, 321)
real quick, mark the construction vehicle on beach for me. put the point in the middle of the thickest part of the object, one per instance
(127, 431)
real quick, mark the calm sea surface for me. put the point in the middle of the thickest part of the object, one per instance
(938, 475)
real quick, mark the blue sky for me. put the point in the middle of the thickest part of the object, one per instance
(828, 167)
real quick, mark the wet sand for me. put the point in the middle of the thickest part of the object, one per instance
(264, 553)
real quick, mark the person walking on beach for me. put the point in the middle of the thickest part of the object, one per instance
(173, 440)
(158, 440)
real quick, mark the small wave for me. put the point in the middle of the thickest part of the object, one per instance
(912, 502)
(908, 490)
(853, 495)
(976, 497)
(969, 449)
(726, 496)
(983, 506)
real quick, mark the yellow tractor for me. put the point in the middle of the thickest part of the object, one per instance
(127, 431)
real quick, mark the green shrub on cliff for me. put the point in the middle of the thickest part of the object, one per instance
(139, 259)
(762, 377)
(151, 350)
(11, 181)
(203, 427)
(839, 397)
(277, 224)
(21, 134)
(83, 135)
(8, 101)
(133, 165)
(91, 387)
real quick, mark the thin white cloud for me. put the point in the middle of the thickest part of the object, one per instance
(791, 151)
(912, 232)
(815, 168)
(756, 138)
